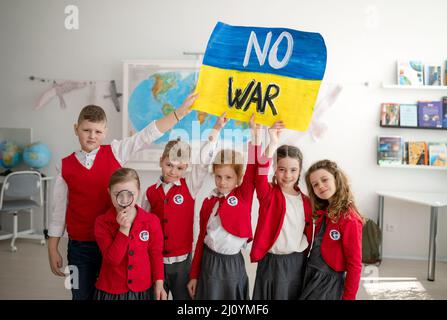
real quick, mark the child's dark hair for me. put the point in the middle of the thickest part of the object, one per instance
(229, 157)
(124, 175)
(285, 151)
(177, 150)
(92, 113)
(342, 199)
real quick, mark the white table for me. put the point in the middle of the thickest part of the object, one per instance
(434, 201)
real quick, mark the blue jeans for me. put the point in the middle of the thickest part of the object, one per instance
(86, 257)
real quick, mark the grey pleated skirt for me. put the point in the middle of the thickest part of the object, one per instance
(222, 277)
(279, 277)
(321, 285)
(129, 295)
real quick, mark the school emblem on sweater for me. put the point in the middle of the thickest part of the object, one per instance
(178, 199)
(232, 201)
(334, 234)
(144, 235)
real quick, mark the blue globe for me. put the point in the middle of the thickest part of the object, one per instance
(10, 154)
(37, 155)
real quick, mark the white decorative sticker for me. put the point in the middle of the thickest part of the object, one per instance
(178, 199)
(144, 235)
(232, 201)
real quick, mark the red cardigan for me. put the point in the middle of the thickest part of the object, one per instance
(341, 248)
(176, 213)
(234, 211)
(129, 263)
(272, 209)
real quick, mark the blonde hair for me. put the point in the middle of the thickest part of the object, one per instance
(92, 113)
(342, 199)
(177, 150)
(124, 175)
(232, 158)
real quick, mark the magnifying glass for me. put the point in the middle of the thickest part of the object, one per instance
(124, 198)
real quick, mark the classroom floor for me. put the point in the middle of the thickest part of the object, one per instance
(25, 274)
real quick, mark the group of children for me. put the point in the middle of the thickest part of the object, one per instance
(305, 247)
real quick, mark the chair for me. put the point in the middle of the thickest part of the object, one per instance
(16, 195)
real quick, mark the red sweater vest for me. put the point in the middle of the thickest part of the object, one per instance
(87, 192)
(176, 213)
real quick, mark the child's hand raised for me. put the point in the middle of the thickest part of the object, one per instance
(256, 130)
(274, 131)
(185, 108)
(220, 123)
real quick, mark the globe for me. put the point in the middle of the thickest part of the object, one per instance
(37, 155)
(10, 154)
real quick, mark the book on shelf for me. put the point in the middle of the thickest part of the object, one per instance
(432, 75)
(408, 115)
(417, 152)
(430, 114)
(410, 72)
(444, 112)
(437, 154)
(389, 150)
(389, 114)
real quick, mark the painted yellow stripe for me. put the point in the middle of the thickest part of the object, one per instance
(294, 104)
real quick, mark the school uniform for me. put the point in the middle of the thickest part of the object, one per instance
(173, 203)
(225, 228)
(130, 264)
(80, 195)
(337, 249)
(283, 232)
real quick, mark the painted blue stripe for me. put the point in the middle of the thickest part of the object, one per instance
(227, 46)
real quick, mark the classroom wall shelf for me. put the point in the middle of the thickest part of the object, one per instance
(408, 166)
(397, 86)
(423, 128)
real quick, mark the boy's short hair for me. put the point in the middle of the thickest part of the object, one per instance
(92, 113)
(231, 158)
(177, 150)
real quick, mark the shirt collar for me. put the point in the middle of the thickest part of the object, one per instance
(217, 194)
(85, 154)
(160, 182)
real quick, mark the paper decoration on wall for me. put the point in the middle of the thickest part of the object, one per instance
(114, 95)
(60, 87)
(58, 90)
(273, 72)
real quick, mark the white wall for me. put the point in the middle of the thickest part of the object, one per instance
(363, 38)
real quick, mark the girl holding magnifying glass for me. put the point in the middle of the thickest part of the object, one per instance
(131, 243)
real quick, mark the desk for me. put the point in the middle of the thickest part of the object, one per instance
(434, 201)
(45, 208)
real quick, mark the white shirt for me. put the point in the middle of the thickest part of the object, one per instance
(291, 238)
(217, 238)
(122, 150)
(194, 181)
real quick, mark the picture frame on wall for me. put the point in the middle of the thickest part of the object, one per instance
(151, 90)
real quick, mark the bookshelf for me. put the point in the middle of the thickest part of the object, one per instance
(385, 125)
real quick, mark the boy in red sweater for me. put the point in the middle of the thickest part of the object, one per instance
(80, 190)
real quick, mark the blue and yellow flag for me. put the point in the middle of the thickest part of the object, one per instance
(273, 72)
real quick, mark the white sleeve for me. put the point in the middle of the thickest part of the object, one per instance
(56, 223)
(200, 168)
(145, 205)
(125, 148)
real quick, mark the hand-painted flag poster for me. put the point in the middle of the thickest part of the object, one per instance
(273, 72)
